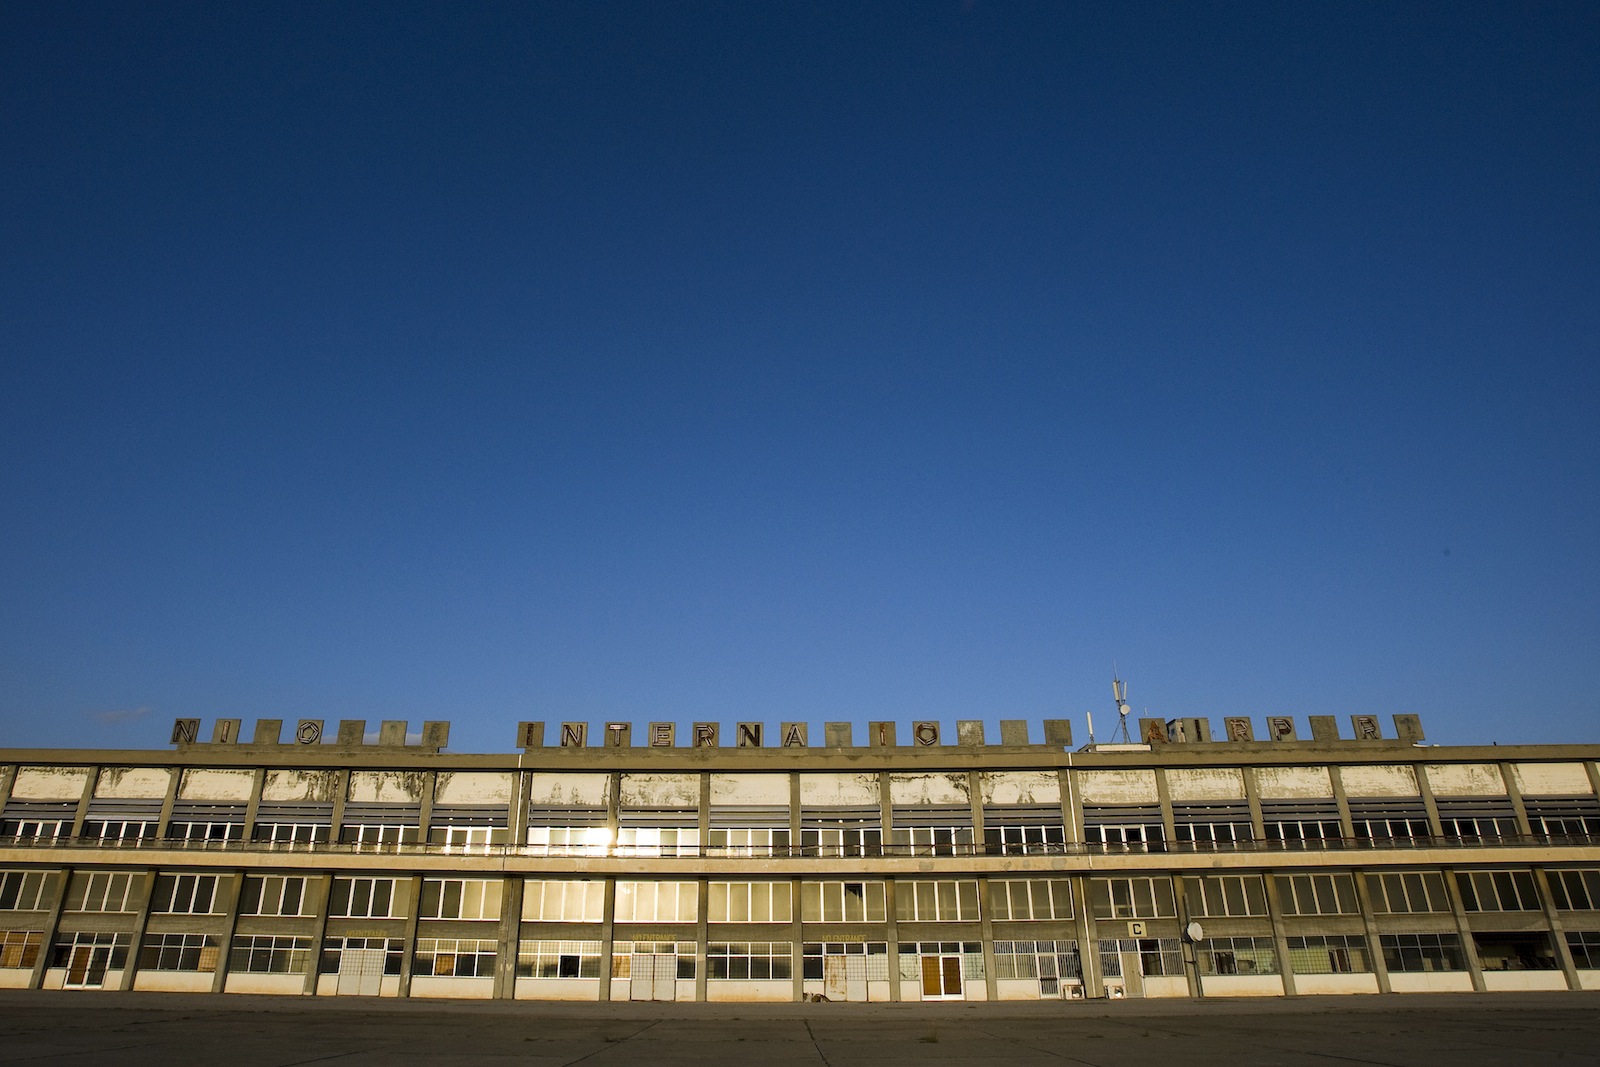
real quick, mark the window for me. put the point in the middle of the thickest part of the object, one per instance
(116, 946)
(749, 902)
(842, 902)
(273, 895)
(460, 898)
(1317, 894)
(184, 894)
(752, 960)
(587, 840)
(876, 953)
(1498, 891)
(971, 953)
(445, 957)
(563, 901)
(379, 835)
(178, 952)
(659, 902)
(1030, 898)
(658, 841)
(932, 840)
(1564, 818)
(843, 836)
(1022, 840)
(1515, 952)
(1421, 953)
(1131, 898)
(1236, 955)
(622, 953)
(1575, 890)
(1219, 825)
(261, 954)
(20, 948)
(1301, 824)
(37, 829)
(1048, 961)
(197, 821)
(334, 947)
(1330, 954)
(108, 830)
(928, 901)
(1476, 819)
(1123, 829)
(558, 959)
(1408, 892)
(100, 891)
(1161, 956)
(21, 890)
(1585, 948)
(363, 898)
(748, 841)
(1223, 895)
(293, 833)
(1387, 820)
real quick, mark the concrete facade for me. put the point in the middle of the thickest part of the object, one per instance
(618, 863)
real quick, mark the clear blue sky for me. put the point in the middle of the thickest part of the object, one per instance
(798, 361)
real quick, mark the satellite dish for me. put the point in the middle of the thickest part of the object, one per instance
(1194, 932)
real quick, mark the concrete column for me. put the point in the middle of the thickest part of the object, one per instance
(1071, 807)
(82, 811)
(885, 809)
(168, 802)
(51, 924)
(1088, 946)
(1435, 826)
(794, 827)
(608, 926)
(1558, 934)
(7, 776)
(892, 933)
(1252, 796)
(614, 808)
(797, 941)
(253, 805)
(1191, 966)
(1280, 936)
(318, 889)
(1369, 923)
(705, 814)
(235, 886)
(409, 948)
(517, 823)
(1169, 825)
(430, 788)
(703, 895)
(1518, 808)
(1469, 947)
(1347, 826)
(142, 920)
(986, 922)
(505, 970)
(1593, 771)
(341, 794)
(975, 797)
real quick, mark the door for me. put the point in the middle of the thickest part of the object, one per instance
(86, 968)
(855, 978)
(835, 978)
(641, 977)
(361, 972)
(1132, 974)
(941, 977)
(1049, 979)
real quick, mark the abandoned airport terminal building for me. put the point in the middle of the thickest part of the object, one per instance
(717, 865)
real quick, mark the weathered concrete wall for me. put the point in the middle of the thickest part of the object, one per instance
(1293, 783)
(660, 791)
(570, 790)
(949, 788)
(426, 985)
(558, 989)
(1379, 780)
(291, 786)
(291, 985)
(1020, 787)
(133, 783)
(474, 787)
(1552, 779)
(217, 783)
(49, 783)
(1466, 780)
(764, 790)
(1118, 787)
(1205, 783)
(838, 790)
(387, 787)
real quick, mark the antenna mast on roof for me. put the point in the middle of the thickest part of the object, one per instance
(1119, 690)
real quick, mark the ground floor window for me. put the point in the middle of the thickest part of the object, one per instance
(335, 948)
(1236, 955)
(749, 959)
(558, 959)
(1051, 962)
(178, 952)
(20, 948)
(1515, 952)
(1585, 949)
(1330, 954)
(874, 957)
(622, 953)
(265, 954)
(1421, 953)
(448, 957)
(1157, 957)
(87, 957)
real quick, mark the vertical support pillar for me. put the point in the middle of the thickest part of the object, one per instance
(52, 923)
(1469, 947)
(146, 892)
(341, 794)
(885, 810)
(1518, 808)
(409, 948)
(1071, 808)
(517, 823)
(613, 809)
(703, 895)
(704, 814)
(253, 806)
(608, 929)
(797, 942)
(319, 889)
(1169, 825)
(986, 921)
(1558, 934)
(1252, 796)
(1341, 800)
(169, 802)
(505, 970)
(1369, 923)
(795, 809)
(892, 934)
(1191, 966)
(1435, 826)
(82, 811)
(219, 977)
(1088, 946)
(1280, 936)
(430, 788)
(975, 799)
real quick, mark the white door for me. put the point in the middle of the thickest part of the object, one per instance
(666, 982)
(835, 978)
(361, 972)
(1132, 974)
(641, 977)
(855, 978)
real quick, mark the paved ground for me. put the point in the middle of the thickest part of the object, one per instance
(139, 1029)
